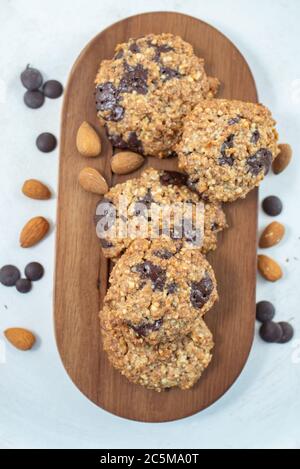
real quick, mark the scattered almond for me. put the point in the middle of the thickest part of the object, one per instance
(271, 235)
(34, 231)
(269, 268)
(36, 190)
(125, 162)
(88, 141)
(283, 158)
(20, 338)
(92, 181)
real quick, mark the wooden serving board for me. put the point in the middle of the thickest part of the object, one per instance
(82, 272)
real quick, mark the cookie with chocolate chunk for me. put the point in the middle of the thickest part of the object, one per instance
(157, 290)
(134, 204)
(227, 148)
(143, 93)
(162, 366)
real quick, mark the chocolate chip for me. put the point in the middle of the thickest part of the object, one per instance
(46, 142)
(134, 79)
(260, 161)
(265, 311)
(200, 291)
(192, 184)
(134, 143)
(173, 177)
(117, 141)
(53, 89)
(287, 332)
(9, 274)
(270, 331)
(155, 273)
(34, 99)
(171, 288)
(225, 159)
(272, 205)
(234, 120)
(34, 271)
(163, 254)
(168, 73)
(171, 154)
(146, 328)
(255, 137)
(107, 99)
(159, 50)
(105, 243)
(23, 285)
(119, 54)
(31, 78)
(214, 226)
(134, 48)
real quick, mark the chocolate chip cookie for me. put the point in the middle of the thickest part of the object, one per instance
(157, 290)
(132, 204)
(227, 148)
(143, 93)
(165, 365)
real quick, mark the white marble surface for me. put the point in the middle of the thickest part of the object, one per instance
(40, 407)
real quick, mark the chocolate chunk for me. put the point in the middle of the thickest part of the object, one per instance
(116, 114)
(105, 243)
(155, 273)
(31, 78)
(107, 210)
(192, 184)
(270, 331)
(168, 73)
(9, 274)
(174, 178)
(107, 99)
(234, 120)
(272, 205)
(225, 159)
(163, 254)
(265, 311)
(53, 89)
(119, 54)
(46, 142)
(34, 99)
(201, 291)
(34, 271)
(171, 288)
(134, 79)
(117, 141)
(159, 50)
(255, 137)
(134, 48)
(171, 154)
(23, 285)
(214, 226)
(134, 143)
(260, 161)
(287, 332)
(146, 328)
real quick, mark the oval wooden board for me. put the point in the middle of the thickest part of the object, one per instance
(81, 271)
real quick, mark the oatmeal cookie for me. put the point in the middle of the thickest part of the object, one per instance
(143, 93)
(165, 365)
(227, 148)
(157, 290)
(128, 205)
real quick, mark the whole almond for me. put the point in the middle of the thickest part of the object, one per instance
(282, 159)
(125, 162)
(34, 231)
(271, 235)
(92, 181)
(36, 190)
(269, 268)
(88, 141)
(20, 338)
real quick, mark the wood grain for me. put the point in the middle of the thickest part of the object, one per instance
(81, 270)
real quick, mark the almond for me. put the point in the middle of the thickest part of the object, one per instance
(271, 235)
(34, 231)
(269, 268)
(36, 190)
(88, 141)
(20, 338)
(92, 181)
(282, 159)
(125, 162)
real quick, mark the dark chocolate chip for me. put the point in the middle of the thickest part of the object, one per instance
(192, 184)
(174, 178)
(214, 226)
(270, 331)
(31, 78)
(265, 311)
(272, 205)
(107, 99)
(201, 291)
(53, 89)
(105, 243)
(9, 274)
(46, 142)
(23, 285)
(234, 120)
(117, 141)
(255, 137)
(146, 328)
(225, 159)
(134, 79)
(287, 332)
(159, 50)
(260, 161)
(34, 99)
(155, 273)
(171, 154)
(119, 54)
(168, 73)
(34, 271)
(171, 288)
(163, 254)
(134, 143)
(134, 48)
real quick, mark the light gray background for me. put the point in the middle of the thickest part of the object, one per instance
(39, 406)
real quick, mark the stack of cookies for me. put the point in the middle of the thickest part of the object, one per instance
(155, 98)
